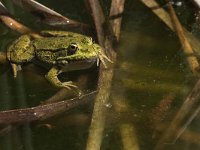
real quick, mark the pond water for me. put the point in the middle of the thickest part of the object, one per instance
(150, 68)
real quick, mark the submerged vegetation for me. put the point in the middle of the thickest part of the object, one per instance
(147, 98)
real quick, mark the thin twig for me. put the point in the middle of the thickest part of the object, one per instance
(197, 2)
(188, 122)
(99, 19)
(116, 11)
(188, 136)
(187, 48)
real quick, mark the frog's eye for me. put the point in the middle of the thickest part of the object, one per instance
(72, 48)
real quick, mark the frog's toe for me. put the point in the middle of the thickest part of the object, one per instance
(15, 69)
(69, 85)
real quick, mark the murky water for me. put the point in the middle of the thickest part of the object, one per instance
(150, 68)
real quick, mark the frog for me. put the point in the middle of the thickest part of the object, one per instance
(61, 51)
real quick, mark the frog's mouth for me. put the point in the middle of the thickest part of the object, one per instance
(101, 57)
(89, 60)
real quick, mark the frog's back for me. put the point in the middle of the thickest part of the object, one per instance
(51, 43)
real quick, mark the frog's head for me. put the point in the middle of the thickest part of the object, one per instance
(84, 49)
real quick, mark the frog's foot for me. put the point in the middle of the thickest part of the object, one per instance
(56, 82)
(69, 85)
(15, 68)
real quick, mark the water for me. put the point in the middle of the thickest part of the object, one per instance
(150, 67)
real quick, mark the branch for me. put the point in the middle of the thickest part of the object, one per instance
(187, 48)
(104, 84)
(48, 15)
(165, 17)
(43, 111)
(11, 23)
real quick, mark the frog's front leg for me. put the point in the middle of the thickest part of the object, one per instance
(52, 77)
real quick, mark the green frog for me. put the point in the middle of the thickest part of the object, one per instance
(61, 51)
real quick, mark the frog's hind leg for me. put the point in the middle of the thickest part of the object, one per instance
(19, 52)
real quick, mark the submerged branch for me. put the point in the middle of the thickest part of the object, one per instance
(43, 111)
(158, 114)
(60, 95)
(126, 130)
(190, 103)
(7, 129)
(128, 136)
(192, 99)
